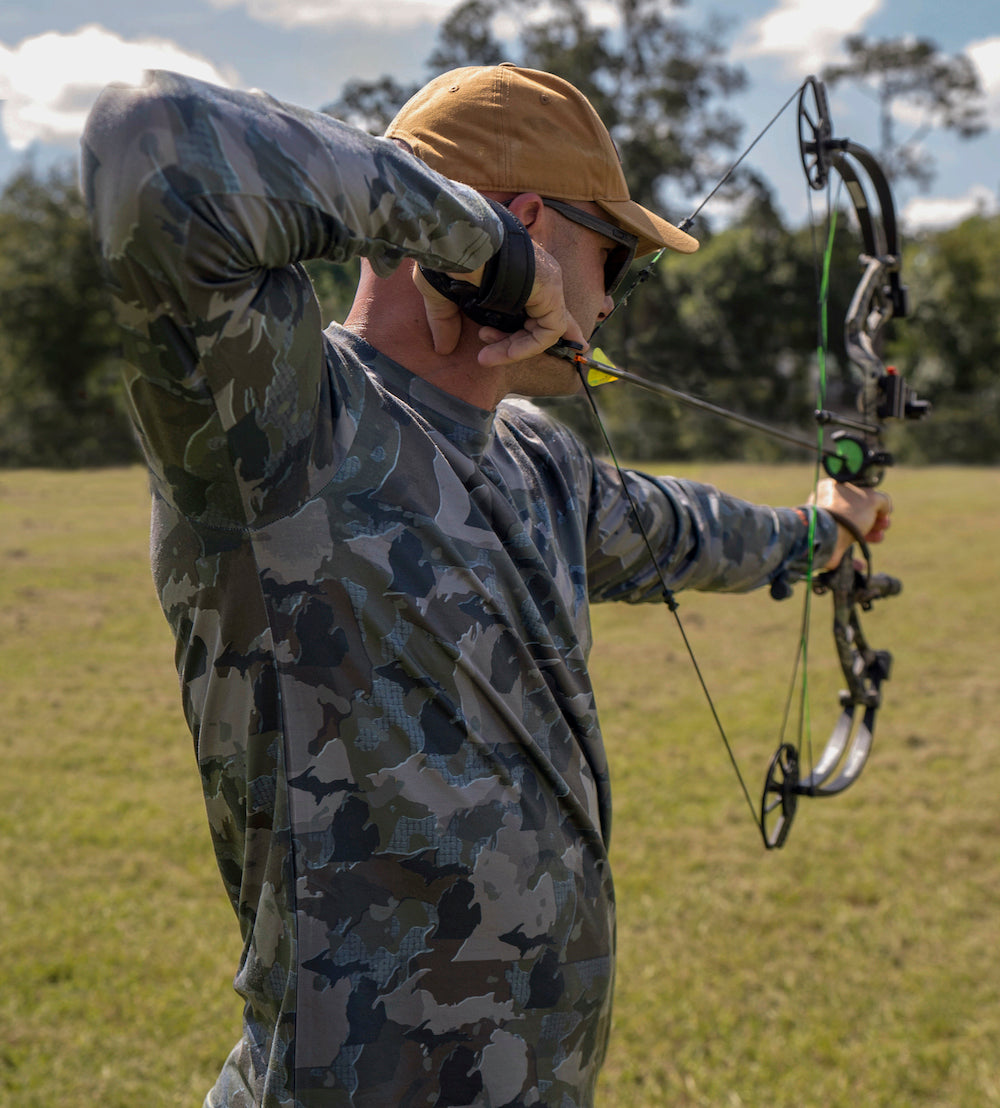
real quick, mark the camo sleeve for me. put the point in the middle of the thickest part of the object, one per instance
(704, 539)
(204, 202)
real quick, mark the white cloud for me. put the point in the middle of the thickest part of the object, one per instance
(806, 34)
(930, 213)
(985, 55)
(397, 13)
(50, 81)
(332, 13)
(508, 25)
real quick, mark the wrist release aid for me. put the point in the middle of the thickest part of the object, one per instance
(507, 279)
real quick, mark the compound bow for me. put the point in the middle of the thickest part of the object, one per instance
(855, 455)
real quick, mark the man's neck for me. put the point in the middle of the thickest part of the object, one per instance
(388, 313)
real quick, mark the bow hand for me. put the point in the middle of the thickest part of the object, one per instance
(862, 515)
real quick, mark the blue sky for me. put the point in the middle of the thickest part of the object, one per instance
(55, 57)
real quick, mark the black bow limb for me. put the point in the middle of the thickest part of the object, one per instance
(846, 751)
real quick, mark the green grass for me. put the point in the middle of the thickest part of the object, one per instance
(116, 945)
(856, 968)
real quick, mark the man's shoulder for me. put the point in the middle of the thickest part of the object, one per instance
(520, 412)
(543, 436)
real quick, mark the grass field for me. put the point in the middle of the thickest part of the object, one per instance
(859, 967)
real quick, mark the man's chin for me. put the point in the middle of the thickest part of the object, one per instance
(548, 376)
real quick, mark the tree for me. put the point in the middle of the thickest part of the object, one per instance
(737, 322)
(370, 105)
(950, 347)
(946, 91)
(655, 82)
(334, 285)
(60, 403)
(466, 38)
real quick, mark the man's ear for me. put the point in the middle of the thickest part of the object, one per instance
(528, 207)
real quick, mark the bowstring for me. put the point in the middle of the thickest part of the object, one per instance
(822, 264)
(669, 598)
(685, 224)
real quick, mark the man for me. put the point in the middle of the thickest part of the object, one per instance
(378, 570)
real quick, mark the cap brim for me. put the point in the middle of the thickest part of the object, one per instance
(652, 231)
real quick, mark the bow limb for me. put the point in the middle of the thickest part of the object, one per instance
(846, 751)
(880, 296)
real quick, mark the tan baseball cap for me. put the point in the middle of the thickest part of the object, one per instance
(503, 129)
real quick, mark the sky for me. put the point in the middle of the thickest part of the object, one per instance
(54, 58)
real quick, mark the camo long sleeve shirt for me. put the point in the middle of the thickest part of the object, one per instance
(380, 601)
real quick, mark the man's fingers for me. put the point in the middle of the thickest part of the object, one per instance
(548, 319)
(443, 316)
(882, 521)
(535, 338)
(446, 330)
(867, 509)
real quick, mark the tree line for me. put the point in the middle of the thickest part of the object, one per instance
(735, 323)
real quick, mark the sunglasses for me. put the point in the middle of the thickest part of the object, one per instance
(622, 255)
